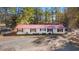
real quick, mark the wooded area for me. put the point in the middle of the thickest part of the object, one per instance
(68, 16)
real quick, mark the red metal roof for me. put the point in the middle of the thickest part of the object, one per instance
(38, 26)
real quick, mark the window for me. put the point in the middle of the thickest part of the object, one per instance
(66, 29)
(32, 30)
(59, 30)
(49, 30)
(20, 30)
(43, 29)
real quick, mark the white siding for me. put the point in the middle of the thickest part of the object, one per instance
(42, 31)
(37, 30)
(27, 31)
(20, 33)
(55, 31)
(49, 32)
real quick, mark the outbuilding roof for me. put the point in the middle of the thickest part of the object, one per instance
(32, 26)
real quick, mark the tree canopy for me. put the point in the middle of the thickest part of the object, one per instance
(69, 16)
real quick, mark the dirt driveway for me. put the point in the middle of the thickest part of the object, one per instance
(18, 43)
(26, 43)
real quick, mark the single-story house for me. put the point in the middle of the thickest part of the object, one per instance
(40, 29)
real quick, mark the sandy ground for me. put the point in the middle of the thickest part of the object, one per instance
(35, 42)
(27, 43)
(8, 43)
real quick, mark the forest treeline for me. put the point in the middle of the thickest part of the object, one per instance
(68, 16)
